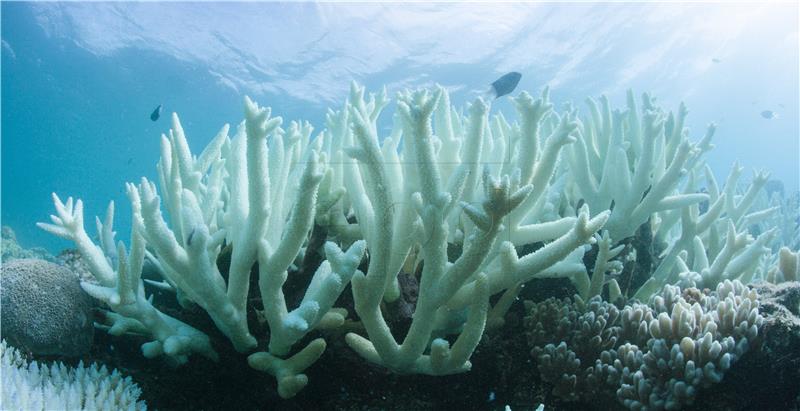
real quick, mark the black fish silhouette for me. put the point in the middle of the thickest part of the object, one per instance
(505, 84)
(156, 113)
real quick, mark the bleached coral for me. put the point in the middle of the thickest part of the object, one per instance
(28, 385)
(233, 194)
(403, 200)
(473, 205)
(633, 159)
(716, 245)
(787, 267)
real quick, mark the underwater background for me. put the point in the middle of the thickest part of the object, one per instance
(89, 88)
(79, 80)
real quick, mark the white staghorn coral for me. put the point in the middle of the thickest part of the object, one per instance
(234, 193)
(405, 199)
(633, 160)
(716, 245)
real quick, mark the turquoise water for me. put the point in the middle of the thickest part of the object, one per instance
(80, 80)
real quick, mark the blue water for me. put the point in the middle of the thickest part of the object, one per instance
(79, 80)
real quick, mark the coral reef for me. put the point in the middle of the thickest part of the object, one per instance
(776, 359)
(45, 311)
(32, 386)
(425, 180)
(654, 356)
(11, 250)
(437, 227)
(72, 260)
(634, 159)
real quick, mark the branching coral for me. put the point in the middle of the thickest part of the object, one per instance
(652, 356)
(716, 245)
(232, 194)
(413, 179)
(633, 160)
(468, 205)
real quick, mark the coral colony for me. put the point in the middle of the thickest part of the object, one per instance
(453, 197)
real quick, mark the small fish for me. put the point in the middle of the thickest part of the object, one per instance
(156, 113)
(769, 114)
(505, 84)
(716, 60)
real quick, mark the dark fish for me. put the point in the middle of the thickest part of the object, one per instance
(769, 114)
(505, 84)
(156, 113)
(715, 60)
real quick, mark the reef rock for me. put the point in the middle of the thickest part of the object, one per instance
(11, 250)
